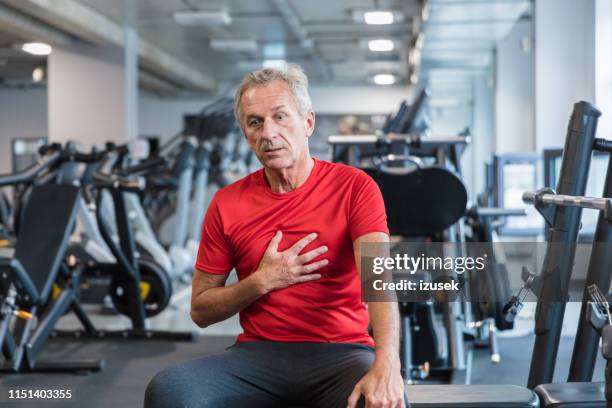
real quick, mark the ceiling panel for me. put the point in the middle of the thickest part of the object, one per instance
(509, 11)
(318, 11)
(459, 34)
(476, 45)
(468, 31)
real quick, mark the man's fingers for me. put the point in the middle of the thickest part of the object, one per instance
(354, 397)
(307, 278)
(276, 239)
(309, 256)
(304, 269)
(301, 244)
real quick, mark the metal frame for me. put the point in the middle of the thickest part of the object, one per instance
(446, 151)
(598, 273)
(550, 180)
(557, 266)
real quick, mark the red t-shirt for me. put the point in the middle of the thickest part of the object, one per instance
(339, 203)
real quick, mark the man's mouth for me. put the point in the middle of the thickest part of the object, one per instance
(272, 150)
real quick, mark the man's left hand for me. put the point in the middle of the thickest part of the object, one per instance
(381, 387)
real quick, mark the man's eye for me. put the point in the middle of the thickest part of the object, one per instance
(253, 122)
(280, 116)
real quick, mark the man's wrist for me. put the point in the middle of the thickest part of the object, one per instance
(260, 286)
(386, 356)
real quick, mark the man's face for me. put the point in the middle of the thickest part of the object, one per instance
(273, 126)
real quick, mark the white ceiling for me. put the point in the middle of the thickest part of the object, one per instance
(460, 39)
(460, 36)
(336, 38)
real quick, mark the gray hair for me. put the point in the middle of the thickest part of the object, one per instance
(291, 74)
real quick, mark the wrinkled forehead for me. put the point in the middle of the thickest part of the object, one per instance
(261, 99)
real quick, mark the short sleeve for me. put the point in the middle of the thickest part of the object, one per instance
(214, 252)
(367, 208)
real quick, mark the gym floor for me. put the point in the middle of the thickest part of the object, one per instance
(130, 364)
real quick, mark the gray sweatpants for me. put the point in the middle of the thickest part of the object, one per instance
(264, 374)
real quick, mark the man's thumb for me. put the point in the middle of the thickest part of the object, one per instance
(276, 239)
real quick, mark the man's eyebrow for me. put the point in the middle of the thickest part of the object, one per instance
(276, 108)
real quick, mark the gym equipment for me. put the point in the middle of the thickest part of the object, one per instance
(215, 127)
(442, 199)
(511, 174)
(406, 120)
(442, 202)
(564, 224)
(444, 150)
(37, 269)
(579, 143)
(422, 354)
(600, 319)
(147, 242)
(594, 322)
(487, 318)
(562, 214)
(177, 196)
(595, 185)
(198, 203)
(470, 396)
(139, 287)
(135, 295)
(176, 190)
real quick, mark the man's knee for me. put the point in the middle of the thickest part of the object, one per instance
(167, 389)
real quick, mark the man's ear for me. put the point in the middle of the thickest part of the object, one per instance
(310, 123)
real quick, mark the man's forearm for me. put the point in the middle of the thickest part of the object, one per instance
(384, 317)
(217, 304)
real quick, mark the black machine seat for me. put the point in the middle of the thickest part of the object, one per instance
(421, 202)
(43, 237)
(572, 395)
(470, 396)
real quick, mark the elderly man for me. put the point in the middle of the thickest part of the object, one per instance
(293, 230)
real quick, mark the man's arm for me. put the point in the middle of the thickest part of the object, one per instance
(212, 301)
(383, 385)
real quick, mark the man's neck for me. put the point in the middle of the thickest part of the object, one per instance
(286, 180)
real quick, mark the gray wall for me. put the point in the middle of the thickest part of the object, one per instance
(483, 131)
(514, 93)
(23, 113)
(87, 95)
(564, 65)
(164, 117)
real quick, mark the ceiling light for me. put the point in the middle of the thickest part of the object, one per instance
(425, 12)
(384, 79)
(38, 74)
(414, 57)
(420, 41)
(206, 18)
(36, 48)
(381, 45)
(233, 44)
(378, 17)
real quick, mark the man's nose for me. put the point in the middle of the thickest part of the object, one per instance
(269, 130)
